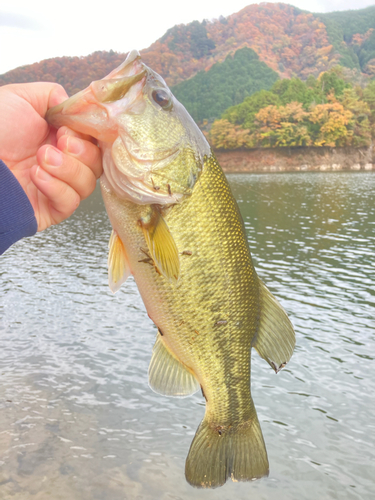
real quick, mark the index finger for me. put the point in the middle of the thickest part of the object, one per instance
(68, 131)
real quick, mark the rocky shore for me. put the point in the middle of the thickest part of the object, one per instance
(297, 159)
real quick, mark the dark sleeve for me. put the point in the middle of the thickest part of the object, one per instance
(17, 218)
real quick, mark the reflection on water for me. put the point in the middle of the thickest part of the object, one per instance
(77, 418)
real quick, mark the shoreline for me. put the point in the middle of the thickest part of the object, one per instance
(300, 159)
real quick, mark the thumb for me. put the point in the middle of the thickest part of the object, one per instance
(41, 95)
(57, 95)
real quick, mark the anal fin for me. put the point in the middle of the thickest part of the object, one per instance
(118, 267)
(161, 245)
(275, 338)
(167, 375)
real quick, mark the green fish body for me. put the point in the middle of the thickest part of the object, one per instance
(178, 230)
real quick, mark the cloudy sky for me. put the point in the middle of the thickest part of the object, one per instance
(31, 31)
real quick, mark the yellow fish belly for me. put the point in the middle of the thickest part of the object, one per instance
(208, 321)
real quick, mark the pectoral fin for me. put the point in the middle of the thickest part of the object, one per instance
(118, 267)
(167, 375)
(161, 245)
(275, 338)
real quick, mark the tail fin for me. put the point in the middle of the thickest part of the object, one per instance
(218, 452)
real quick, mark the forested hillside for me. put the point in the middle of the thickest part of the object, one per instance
(290, 41)
(73, 73)
(352, 35)
(287, 39)
(271, 75)
(327, 111)
(209, 93)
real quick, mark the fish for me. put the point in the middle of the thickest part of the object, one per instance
(177, 229)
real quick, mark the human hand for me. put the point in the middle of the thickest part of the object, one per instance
(57, 169)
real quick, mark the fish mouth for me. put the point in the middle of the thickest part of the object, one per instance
(89, 109)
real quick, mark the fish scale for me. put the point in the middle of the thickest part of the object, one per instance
(219, 276)
(178, 230)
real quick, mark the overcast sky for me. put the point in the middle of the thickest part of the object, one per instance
(31, 31)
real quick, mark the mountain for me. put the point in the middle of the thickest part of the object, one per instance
(200, 57)
(290, 41)
(73, 73)
(287, 39)
(352, 35)
(209, 93)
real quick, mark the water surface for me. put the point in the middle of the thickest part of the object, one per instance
(77, 418)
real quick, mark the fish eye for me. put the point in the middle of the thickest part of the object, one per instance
(162, 98)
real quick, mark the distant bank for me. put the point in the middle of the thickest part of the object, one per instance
(298, 159)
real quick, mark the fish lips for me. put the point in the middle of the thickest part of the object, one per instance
(89, 111)
(80, 112)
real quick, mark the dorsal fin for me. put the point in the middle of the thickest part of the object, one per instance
(275, 338)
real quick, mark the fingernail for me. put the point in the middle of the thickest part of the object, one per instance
(63, 130)
(74, 145)
(53, 157)
(42, 174)
(66, 131)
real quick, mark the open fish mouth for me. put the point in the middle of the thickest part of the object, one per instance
(152, 150)
(99, 103)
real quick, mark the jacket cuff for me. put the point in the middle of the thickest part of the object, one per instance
(17, 217)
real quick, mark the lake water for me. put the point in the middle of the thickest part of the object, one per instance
(77, 418)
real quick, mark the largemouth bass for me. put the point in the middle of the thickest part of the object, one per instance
(178, 230)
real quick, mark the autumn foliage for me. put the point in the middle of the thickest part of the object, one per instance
(290, 41)
(269, 72)
(73, 73)
(343, 116)
(287, 39)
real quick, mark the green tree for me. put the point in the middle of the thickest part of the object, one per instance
(294, 89)
(359, 127)
(244, 114)
(341, 26)
(200, 44)
(369, 98)
(332, 80)
(209, 93)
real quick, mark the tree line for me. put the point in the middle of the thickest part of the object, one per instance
(324, 111)
(209, 93)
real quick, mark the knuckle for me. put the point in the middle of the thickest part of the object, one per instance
(72, 201)
(76, 201)
(60, 88)
(77, 176)
(89, 186)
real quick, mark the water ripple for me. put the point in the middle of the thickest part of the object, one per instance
(75, 404)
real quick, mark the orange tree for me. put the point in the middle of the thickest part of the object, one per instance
(226, 135)
(283, 126)
(332, 121)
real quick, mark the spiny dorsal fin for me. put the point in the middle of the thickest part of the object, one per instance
(167, 375)
(161, 245)
(118, 267)
(275, 338)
